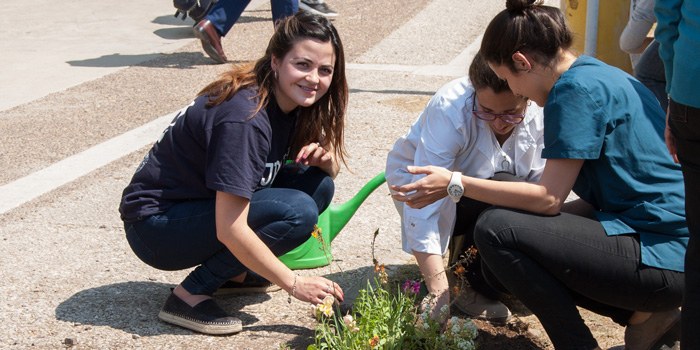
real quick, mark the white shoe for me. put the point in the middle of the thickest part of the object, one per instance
(478, 306)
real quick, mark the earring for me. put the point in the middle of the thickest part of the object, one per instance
(275, 72)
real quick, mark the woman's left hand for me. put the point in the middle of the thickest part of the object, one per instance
(314, 155)
(425, 191)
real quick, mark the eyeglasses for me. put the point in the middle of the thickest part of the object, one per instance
(508, 118)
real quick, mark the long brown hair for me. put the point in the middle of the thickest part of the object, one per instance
(529, 27)
(323, 121)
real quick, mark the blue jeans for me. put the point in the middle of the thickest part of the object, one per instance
(225, 13)
(555, 263)
(283, 216)
(685, 126)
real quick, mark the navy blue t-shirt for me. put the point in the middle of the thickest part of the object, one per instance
(208, 149)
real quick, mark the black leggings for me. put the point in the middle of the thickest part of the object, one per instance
(685, 124)
(554, 263)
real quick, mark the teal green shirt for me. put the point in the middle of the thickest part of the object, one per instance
(603, 115)
(678, 34)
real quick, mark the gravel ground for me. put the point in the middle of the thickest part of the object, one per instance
(69, 277)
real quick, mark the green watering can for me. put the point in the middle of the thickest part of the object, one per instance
(311, 253)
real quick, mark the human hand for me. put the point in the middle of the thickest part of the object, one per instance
(425, 191)
(437, 306)
(314, 155)
(314, 289)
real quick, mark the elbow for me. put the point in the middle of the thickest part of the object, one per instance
(630, 45)
(550, 205)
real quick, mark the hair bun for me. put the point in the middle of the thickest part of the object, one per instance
(521, 5)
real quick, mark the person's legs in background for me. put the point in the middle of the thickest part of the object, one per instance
(224, 14)
(650, 72)
(318, 7)
(685, 125)
(283, 8)
(220, 19)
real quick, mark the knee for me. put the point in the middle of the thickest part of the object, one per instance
(305, 213)
(324, 193)
(489, 228)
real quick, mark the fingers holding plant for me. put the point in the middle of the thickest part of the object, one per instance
(315, 289)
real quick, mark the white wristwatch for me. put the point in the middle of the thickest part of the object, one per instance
(455, 189)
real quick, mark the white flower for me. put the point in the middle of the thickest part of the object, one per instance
(325, 308)
(455, 328)
(350, 323)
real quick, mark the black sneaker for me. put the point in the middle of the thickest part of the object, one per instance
(317, 7)
(206, 317)
(253, 283)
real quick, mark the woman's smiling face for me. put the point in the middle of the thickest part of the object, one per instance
(303, 74)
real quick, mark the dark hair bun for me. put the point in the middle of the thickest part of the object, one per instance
(521, 5)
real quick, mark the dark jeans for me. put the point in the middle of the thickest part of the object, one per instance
(685, 126)
(554, 263)
(650, 72)
(282, 216)
(225, 13)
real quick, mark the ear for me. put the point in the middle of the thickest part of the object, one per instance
(522, 63)
(274, 63)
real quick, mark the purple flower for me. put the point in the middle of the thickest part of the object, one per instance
(411, 286)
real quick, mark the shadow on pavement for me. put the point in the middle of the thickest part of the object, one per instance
(133, 308)
(179, 60)
(175, 33)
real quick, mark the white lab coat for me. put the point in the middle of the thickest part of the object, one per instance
(446, 134)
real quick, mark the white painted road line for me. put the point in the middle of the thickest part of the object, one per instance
(23, 190)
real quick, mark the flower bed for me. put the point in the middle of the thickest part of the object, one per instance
(388, 316)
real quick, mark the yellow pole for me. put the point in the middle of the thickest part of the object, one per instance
(612, 17)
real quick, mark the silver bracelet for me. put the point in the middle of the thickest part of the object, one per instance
(294, 289)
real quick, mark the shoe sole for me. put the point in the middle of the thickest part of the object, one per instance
(248, 290)
(500, 321)
(214, 329)
(207, 46)
(308, 8)
(496, 321)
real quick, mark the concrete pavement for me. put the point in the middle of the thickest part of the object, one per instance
(84, 91)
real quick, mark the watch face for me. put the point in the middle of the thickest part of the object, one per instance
(455, 191)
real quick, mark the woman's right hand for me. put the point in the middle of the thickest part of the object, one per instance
(314, 289)
(426, 190)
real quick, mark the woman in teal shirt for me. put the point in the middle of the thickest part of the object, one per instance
(617, 250)
(678, 34)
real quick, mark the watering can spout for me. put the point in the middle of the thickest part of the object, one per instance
(336, 216)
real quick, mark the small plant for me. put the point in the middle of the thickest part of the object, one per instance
(387, 316)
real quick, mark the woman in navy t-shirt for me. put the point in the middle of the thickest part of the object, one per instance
(216, 191)
(618, 250)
